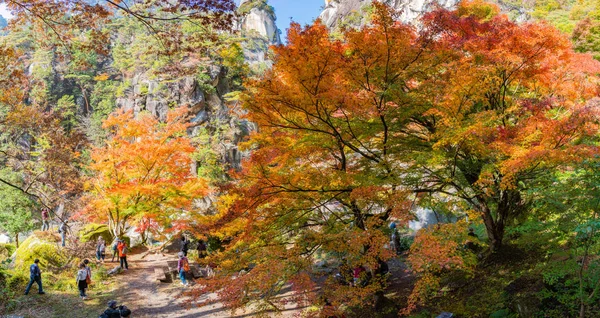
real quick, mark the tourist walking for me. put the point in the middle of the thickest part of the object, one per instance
(183, 267)
(88, 269)
(122, 247)
(81, 279)
(63, 229)
(35, 275)
(115, 251)
(45, 219)
(100, 249)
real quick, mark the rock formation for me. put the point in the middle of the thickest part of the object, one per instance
(353, 12)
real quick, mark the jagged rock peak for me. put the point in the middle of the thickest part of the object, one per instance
(258, 16)
(352, 12)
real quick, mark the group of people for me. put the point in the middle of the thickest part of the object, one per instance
(63, 229)
(183, 264)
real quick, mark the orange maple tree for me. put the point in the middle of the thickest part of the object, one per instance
(143, 174)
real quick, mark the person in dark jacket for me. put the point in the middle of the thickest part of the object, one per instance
(112, 311)
(35, 275)
(185, 245)
(201, 249)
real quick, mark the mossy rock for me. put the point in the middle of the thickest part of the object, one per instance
(45, 248)
(92, 231)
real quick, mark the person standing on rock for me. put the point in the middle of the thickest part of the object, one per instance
(185, 245)
(45, 219)
(101, 249)
(63, 229)
(183, 267)
(35, 275)
(122, 247)
(81, 279)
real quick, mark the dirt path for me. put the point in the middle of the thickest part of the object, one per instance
(140, 291)
(147, 297)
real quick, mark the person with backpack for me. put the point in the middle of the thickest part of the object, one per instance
(35, 275)
(45, 219)
(185, 245)
(183, 267)
(81, 280)
(100, 249)
(115, 312)
(122, 247)
(63, 232)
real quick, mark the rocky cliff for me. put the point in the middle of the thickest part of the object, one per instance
(257, 25)
(354, 13)
(211, 112)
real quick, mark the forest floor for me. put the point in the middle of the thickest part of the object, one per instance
(139, 290)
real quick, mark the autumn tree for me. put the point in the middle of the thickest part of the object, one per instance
(322, 181)
(143, 174)
(471, 107)
(34, 142)
(511, 105)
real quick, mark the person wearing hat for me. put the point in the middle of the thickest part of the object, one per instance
(183, 266)
(112, 311)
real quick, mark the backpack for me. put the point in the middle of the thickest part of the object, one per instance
(186, 265)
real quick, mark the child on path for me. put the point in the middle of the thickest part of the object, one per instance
(100, 249)
(122, 247)
(183, 266)
(35, 275)
(82, 275)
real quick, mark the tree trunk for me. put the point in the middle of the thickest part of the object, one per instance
(494, 229)
(17, 239)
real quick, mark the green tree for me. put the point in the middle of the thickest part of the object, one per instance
(16, 207)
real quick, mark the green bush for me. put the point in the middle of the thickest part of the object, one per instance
(92, 231)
